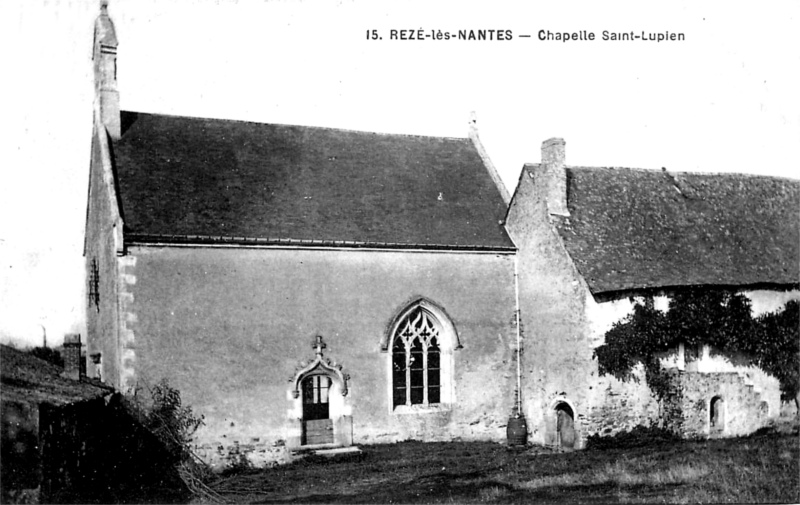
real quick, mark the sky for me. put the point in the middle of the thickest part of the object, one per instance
(723, 99)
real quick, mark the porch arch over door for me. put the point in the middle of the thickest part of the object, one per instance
(318, 393)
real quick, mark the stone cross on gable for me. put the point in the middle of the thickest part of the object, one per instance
(319, 345)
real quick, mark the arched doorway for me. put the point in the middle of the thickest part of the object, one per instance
(319, 415)
(716, 415)
(317, 424)
(565, 426)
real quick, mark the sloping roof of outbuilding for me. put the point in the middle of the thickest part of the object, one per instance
(632, 229)
(190, 179)
(24, 377)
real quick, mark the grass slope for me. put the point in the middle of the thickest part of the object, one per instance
(761, 468)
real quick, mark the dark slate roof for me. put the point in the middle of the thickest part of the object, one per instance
(24, 377)
(631, 229)
(197, 180)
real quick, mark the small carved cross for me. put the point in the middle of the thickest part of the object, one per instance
(319, 345)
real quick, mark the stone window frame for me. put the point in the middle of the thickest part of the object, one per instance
(448, 342)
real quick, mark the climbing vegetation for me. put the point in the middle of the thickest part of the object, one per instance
(696, 317)
(163, 414)
(161, 411)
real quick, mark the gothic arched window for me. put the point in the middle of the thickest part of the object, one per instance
(416, 360)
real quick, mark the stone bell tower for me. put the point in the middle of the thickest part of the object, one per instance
(105, 72)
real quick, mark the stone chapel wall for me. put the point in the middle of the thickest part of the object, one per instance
(230, 328)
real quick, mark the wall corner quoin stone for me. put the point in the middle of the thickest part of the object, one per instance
(127, 262)
(127, 320)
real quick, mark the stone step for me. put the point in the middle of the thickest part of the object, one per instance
(339, 450)
(325, 450)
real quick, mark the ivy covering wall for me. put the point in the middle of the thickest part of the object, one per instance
(718, 318)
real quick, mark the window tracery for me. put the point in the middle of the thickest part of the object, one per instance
(416, 360)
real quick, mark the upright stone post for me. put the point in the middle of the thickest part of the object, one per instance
(72, 356)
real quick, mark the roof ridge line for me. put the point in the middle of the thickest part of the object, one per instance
(330, 128)
(677, 172)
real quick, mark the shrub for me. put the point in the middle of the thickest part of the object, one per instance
(237, 463)
(639, 436)
(164, 414)
(48, 354)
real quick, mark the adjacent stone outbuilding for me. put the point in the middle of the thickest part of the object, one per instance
(69, 439)
(591, 240)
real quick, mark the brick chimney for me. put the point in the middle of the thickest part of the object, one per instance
(72, 356)
(555, 173)
(105, 72)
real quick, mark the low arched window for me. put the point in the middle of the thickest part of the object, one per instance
(416, 360)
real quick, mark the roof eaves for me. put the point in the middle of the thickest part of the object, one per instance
(204, 240)
(618, 292)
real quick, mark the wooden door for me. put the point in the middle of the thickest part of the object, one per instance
(565, 426)
(317, 425)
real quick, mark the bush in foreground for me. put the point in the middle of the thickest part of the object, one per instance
(640, 436)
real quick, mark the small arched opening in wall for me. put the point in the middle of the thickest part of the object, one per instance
(763, 411)
(716, 416)
(566, 432)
